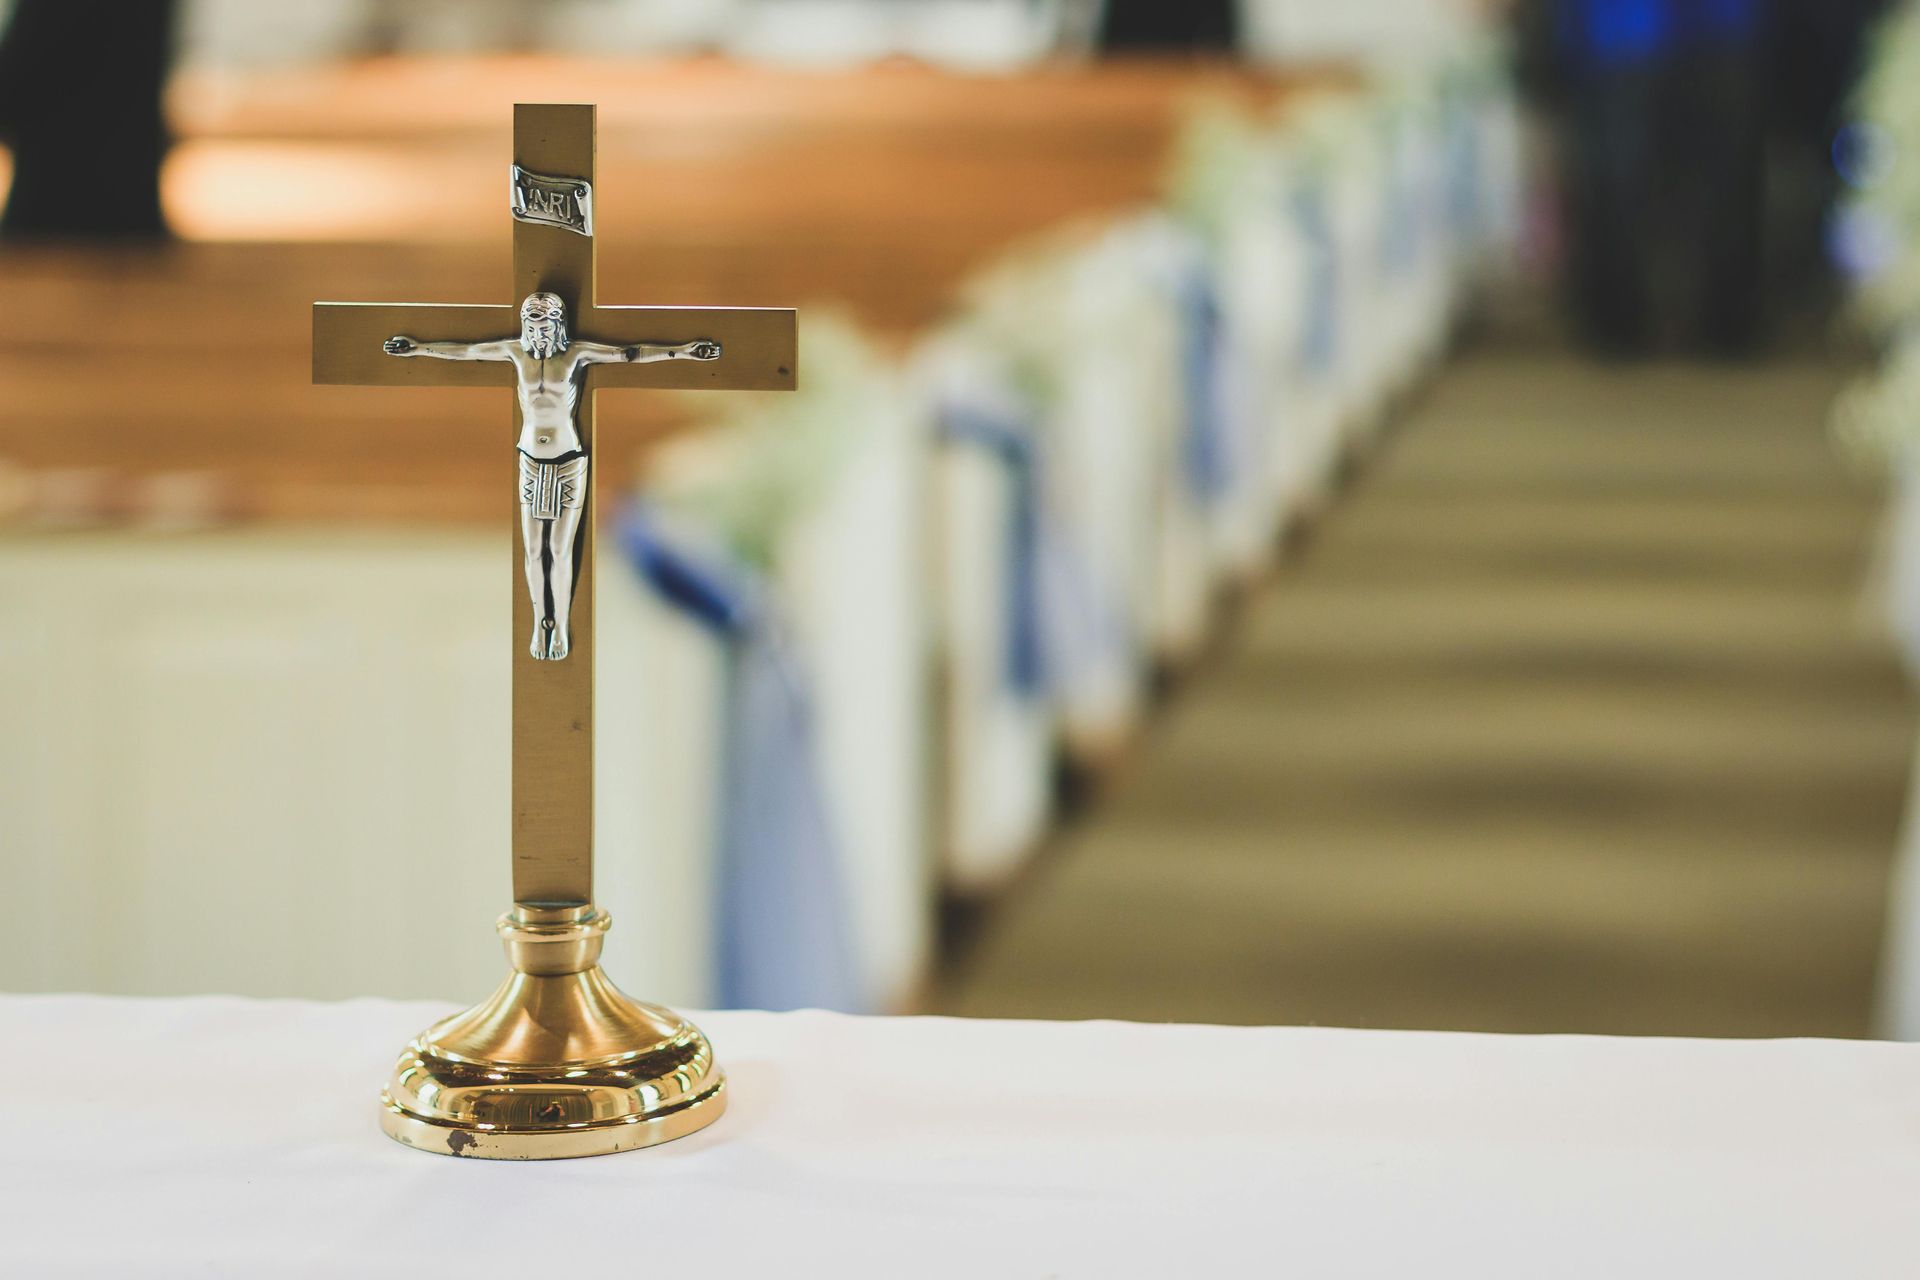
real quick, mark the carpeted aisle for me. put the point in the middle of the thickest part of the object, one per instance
(1569, 718)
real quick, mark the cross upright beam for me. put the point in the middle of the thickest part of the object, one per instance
(553, 701)
(553, 725)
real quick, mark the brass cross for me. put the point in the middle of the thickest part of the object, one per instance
(553, 701)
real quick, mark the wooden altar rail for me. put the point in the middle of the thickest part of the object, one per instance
(875, 191)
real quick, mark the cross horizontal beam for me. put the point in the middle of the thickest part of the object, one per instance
(757, 345)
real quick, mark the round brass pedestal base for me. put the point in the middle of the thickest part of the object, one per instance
(453, 1138)
(557, 1063)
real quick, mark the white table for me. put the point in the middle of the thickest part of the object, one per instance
(927, 1147)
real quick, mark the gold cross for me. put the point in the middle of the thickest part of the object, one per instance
(553, 701)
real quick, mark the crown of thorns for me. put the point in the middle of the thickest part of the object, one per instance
(543, 306)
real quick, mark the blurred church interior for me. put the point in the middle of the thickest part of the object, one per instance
(1382, 514)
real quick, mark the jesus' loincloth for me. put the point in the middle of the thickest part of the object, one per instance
(549, 486)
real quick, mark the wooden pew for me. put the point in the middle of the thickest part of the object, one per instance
(875, 192)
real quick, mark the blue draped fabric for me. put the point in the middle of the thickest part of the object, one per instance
(1399, 215)
(1060, 619)
(1012, 441)
(783, 929)
(1320, 336)
(1207, 447)
(1466, 204)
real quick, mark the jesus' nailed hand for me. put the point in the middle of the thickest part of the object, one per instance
(549, 371)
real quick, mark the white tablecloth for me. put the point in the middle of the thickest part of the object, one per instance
(928, 1147)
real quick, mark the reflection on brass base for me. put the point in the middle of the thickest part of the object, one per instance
(557, 1062)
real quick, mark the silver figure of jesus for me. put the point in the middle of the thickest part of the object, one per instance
(550, 371)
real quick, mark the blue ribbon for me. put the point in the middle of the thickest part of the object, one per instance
(1206, 448)
(783, 930)
(1466, 209)
(1013, 442)
(715, 590)
(1319, 339)
(1400, 217)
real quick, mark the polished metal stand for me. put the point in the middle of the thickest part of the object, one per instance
(557, 1062)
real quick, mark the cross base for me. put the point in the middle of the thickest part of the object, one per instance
(557, 1062)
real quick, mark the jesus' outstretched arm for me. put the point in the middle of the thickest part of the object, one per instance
(401, 345)
(645, 352)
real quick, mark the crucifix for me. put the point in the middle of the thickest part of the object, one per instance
(557, 1062)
